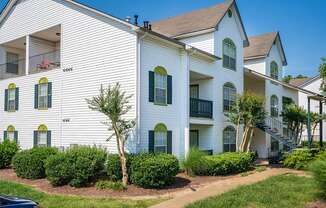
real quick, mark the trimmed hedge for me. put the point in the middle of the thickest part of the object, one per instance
(154, 170)
(30, 163)
(113, 166)
(229, 163)
(195, 162)
(299, 159)
(8, 150)
(77, 167)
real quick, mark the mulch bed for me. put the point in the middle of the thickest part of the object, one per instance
(317, 204)
(183, 182)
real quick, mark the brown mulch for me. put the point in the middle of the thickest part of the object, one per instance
(317, 204)
(183, 182)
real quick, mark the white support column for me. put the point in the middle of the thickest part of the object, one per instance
(27, 45)
(187, 105)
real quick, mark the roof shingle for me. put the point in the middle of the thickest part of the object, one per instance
(260, 45)
(193, 21)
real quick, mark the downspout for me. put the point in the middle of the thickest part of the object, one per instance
(138, 89)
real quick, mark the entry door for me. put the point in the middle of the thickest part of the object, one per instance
(194, 138)
(194, 91)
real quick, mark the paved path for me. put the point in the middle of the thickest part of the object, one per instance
(219, 187)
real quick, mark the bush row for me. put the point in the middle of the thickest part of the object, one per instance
(301, 158)
(8, 150)
(198, 163)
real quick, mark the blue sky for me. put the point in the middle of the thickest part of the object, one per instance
(301, 23)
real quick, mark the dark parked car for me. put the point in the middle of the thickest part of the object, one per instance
(15, 202)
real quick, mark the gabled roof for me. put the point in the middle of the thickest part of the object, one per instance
(195, 21)
(302, 82)
(261, 45)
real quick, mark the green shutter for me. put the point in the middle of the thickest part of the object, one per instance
(169, 142)
(36, 96)
(6, 100)
(151, 86)
(151, 141)
(48, 139)
(49, 94)
(16, 136)
(35, 138)
(169, 89)
(4, 135)
(17, 99)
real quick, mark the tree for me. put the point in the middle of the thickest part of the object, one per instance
(287, 78)
(248, 111)
(114, 103)
(295, 118)
(316, 118)
(322, 72)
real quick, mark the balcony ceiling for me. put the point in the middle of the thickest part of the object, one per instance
(18, 43)
(50, 34)
(194, 76)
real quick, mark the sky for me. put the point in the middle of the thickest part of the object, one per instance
(301, 23)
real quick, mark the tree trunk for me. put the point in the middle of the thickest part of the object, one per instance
(250, 139)
(238, 133)
(244, 138)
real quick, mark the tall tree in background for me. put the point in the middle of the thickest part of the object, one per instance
(248, 111)
(114, 103)
(322, 72)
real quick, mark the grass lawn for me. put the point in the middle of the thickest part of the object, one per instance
(281, 191)
(54, 201)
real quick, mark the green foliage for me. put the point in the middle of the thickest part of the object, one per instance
(113, 166)
(113, 185)
(7, 151)
(78, 166)
(195, 163)
(288, 78)
(229, 163)
(322, 72)
(318, 168)
(299, 159)
(154, 170)
(30, 163)
(261, 168)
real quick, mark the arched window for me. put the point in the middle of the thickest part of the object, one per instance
(274, 106)
(229, 54)
(229, 139)
(11, 134)
(160, 85)
(160, 138)
(42, 137)
(43, 94)
(11, 98)
(229, 96)
(274, 70)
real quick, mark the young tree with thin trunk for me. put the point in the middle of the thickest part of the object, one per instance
(248, 111)
(114, 103)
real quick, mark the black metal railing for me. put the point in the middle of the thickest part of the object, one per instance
(12, 69)
(201, 108)
(44, 62)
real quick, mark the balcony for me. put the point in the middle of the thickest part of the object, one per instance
(44, 62)
(201, 108)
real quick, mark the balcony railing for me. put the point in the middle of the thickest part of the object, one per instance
(201, 108)
(44, 62)
(12, 69)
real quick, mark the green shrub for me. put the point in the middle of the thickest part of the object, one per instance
(77, 167)
(58, 169)
(298, 159)
(229, 163)
(30, 163)
(7, 151)
(115, 186)
(195, 163)
(154, 170)
(318, 168)
(113, 166)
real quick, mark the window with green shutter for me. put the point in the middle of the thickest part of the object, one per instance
(42, 137)
(160, 140)
(43, 94)
(10, 134)
(11, 98)
(160, 86)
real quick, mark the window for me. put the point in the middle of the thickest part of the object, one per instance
(10, 134)
(160, 139)
(194, 138)
(12, 63)
(43, 94)
(229, 139)
(194, 91)
(229, 54)
(274, 106)
(42, 137)
(160, 85)
(11, 98)
(274, 70)
(229, 96)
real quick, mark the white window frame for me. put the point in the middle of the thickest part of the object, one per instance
(274, 106)
(158, 78)
(228, 132)
(229, 50)
(11, 99)
(45, 97)
(165, 141)
(39, 138)
(229, 95)
(10, 135)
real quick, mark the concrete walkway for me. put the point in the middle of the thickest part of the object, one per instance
(219, 187)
